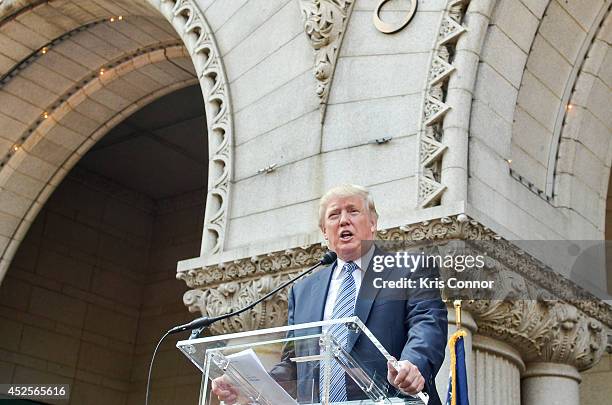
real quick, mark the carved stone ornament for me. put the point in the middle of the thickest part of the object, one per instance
(546, 331)
(430, 187)
(542, 314)
(325, 23)
(211, 73)
(188, 20)
(234, 295)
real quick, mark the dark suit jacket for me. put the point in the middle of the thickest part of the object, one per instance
(410, 323)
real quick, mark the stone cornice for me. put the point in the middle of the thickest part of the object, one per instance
(253, 267)
(563, 323)
(225, 287)
(551, 284)
(233, 295)
(452, 227)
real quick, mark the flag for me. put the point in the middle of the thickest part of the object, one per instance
(457, 385)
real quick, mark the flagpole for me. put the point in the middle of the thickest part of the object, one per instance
(457, 304)
(457, 386)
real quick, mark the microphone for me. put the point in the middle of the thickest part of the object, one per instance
(203, 322)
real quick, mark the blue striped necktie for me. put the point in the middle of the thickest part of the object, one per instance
(343, 307)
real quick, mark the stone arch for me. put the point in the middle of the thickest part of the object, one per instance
(530, 60)
(549, 80)
(40, 155)
(189, 21)
(580, 166)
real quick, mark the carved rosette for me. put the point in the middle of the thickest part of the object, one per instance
(188, 20)
(325, 23)
(431, 149)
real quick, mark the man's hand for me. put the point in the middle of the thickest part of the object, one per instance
(408, 378)
(224, 390)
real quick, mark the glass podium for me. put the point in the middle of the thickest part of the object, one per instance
(282, 366)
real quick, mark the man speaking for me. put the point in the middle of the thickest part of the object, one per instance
(410, 324)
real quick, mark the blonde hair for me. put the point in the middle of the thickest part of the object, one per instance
(346, 190)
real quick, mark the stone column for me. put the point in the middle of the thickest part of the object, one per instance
(497, 372)
(551, 384)
(556, 340)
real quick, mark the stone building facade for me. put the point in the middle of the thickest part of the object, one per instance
(478, 120)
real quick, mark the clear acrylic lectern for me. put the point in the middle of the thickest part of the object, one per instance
(282, 366)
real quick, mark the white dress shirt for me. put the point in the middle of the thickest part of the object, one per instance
(336, 281)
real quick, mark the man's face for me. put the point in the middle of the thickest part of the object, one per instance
(346, 223)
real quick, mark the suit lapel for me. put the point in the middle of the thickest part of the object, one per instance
(367, 295)
(319, 287)
(367, 292)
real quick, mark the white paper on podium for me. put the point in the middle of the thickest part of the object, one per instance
(250, 367)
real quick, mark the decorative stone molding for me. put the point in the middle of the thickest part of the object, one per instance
(189, 21)
(226, 287)
(454, 227)
(564, 324)
(451, 227)
(542, 314)
(325, 23)
(545, 282)
(431, 149)
(196, 36)
(542, 331)
(234, 295)
(255, 267)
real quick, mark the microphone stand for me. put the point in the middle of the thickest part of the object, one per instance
(199, 324)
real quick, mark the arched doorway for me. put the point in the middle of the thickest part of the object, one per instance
(74, 76)
(78, 71)
(94, 278)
